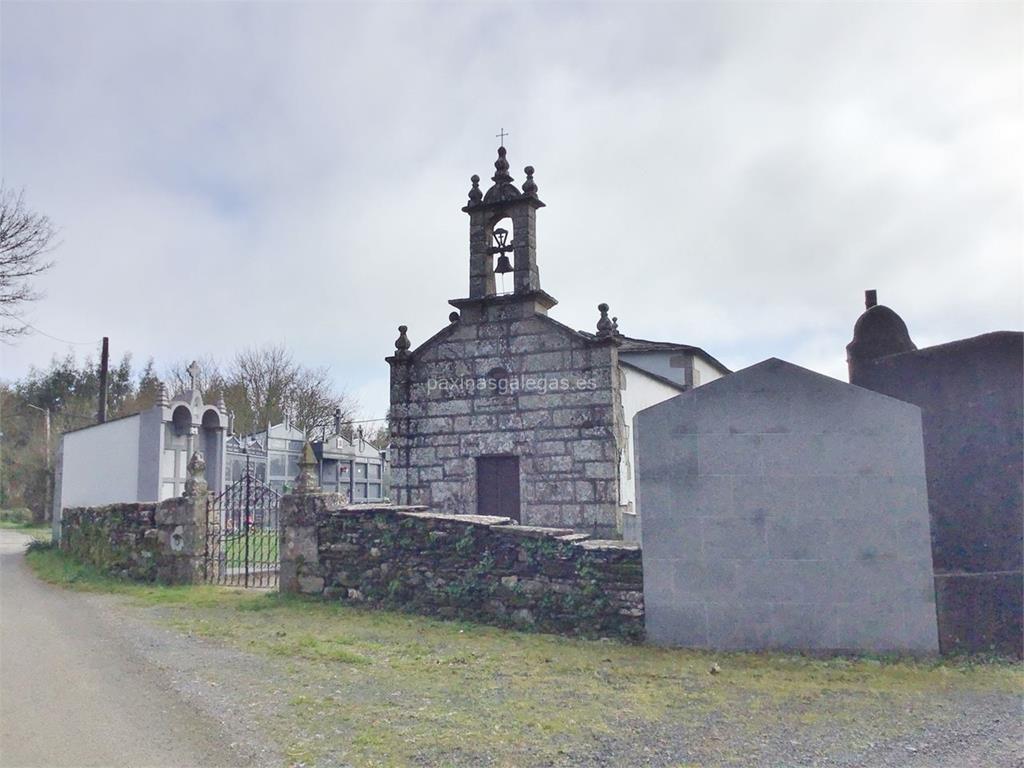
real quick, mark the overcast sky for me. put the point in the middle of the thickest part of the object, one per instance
(731, 176)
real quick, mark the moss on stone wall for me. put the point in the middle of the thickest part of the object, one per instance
(471, 567)
(143, 541)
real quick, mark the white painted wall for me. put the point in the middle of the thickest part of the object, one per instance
(704, 372)
(101, 464)
(639, 391)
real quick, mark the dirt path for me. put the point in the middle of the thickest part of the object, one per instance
(73, 694)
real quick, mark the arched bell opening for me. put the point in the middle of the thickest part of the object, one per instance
(501, 237)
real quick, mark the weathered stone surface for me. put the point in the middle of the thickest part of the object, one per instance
(145, 541)
(970, 393)
(479, 568)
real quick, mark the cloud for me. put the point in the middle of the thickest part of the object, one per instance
(729, 176)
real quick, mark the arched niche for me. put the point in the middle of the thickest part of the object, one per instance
(211, 419)
(181, 421)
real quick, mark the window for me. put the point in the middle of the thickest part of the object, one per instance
(360, 471)
(360, 491)
(375, 471)
(293, 465)
(374, 492)
(277, 465)
(296, 445)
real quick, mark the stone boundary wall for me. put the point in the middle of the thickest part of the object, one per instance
(160, 542)
(466, 566)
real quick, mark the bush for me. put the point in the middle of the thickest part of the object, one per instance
(21, 516)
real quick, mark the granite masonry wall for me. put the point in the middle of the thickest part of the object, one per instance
(561, 416)
(785, 509)
(145, 541)
(466, 566)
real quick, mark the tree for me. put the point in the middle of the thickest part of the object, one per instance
(25, 238)
(265, 383)
(314, 402)
(209, 381)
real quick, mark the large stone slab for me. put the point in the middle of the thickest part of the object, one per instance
(784, 509)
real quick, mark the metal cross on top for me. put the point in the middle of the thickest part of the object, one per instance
(501, 136)
(193, 374)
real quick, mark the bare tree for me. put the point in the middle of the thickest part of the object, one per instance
(314, 402)
(265, 377)
(25, 238)
(264, 384)
(210, 381)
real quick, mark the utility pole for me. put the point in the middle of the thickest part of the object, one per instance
(101, 414)
(48, 501)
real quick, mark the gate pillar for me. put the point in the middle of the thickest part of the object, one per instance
(181, 525)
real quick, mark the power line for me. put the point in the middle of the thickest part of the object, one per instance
(26, 324)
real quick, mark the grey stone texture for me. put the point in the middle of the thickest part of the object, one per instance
(162, 542)
(785, 509)
(475, 567)
(567, 438)
(560, 411)
(970, 393)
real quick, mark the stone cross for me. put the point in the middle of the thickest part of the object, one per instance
(193, 374)
(501, 136)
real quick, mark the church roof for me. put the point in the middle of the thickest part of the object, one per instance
(629, 344)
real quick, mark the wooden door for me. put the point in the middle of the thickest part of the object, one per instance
(497, 486)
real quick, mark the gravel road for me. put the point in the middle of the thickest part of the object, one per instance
(73, 692)
(90, 680)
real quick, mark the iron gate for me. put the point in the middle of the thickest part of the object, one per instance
(243, 534)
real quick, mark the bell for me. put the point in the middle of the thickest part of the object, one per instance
(504, 265)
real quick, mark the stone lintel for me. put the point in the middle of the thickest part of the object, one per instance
(543, 298)
(496, 205)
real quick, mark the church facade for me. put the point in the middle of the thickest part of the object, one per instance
(507, 411)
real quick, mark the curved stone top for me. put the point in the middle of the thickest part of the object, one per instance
(879, 332)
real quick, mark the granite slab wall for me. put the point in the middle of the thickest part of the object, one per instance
(467, 566)
(785, 509)
(971, 395)
(160, 542)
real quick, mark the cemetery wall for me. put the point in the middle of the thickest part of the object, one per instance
(160, 542)
(461, 566)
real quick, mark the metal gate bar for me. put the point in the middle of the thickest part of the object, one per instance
(243, 534)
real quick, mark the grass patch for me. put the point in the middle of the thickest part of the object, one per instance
(260, 546)
(37, 532)
(373, 688)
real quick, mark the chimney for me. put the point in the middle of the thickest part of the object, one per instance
(870, 298)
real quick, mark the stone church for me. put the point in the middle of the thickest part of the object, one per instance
(507, 411)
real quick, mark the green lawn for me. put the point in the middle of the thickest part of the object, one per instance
(374, 688)
(263, 547)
